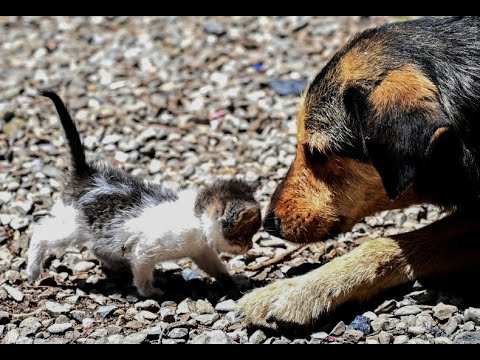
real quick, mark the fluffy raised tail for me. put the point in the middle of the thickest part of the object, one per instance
(79, 163)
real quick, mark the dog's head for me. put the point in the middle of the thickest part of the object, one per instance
(369, 127)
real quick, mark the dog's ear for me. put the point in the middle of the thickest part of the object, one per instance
(398, 145)
(396, 142)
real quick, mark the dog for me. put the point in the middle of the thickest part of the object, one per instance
(392, 120)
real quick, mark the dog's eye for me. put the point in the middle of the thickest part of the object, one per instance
(314, 156)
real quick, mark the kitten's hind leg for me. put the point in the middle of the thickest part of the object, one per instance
(51, 234)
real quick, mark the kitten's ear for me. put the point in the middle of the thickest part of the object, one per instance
(249, 214)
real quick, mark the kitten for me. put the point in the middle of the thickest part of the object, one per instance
(127, 222)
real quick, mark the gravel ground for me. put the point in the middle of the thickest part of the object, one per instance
(179, 100)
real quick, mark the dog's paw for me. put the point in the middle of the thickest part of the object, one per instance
(291, 301)
(363, 273)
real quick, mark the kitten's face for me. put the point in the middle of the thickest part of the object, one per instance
(231, 214)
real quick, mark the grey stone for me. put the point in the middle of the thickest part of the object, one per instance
(472, 314)
(443, 312)
(11, 336)
(220, 324)
(29, 326)
(19, 223)
(54, 340)
(115, 339)
(173, 341)
(100, 333)
(83, 266)
(136, 338)
(78, 315)
(90, 142)
(281, 341)
(339, 329)
(386, 307)
(59, 328)
(422, 296)
(87, 322)
(111, 139)
(425, 320)
(113, 329)
(21, 207)
(442, 340)
(24, 340)
(257, 337)
(154, 332)
(104, 311)
(401, 339)
(416, 330)
(4, 317)
(207, 319)
(14, 293)
(56, 309)
(167, 314)
(204, 307)
(288, 87)
(322, 335)
(467, 337)
(385, 337)
(212, 337)
(234, 316)
(418, 341)
(214, 27)
(226, 306)
(353, 335)
(450, 326)
(185, 307)
(149, 305)
(5, 197)
(85, 341)
(178, 333)
(155, 167)
(148, 315)
(135, 324)
(370, 315)
(12, 276)
(407, 310)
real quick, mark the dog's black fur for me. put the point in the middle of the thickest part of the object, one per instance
(398, 143)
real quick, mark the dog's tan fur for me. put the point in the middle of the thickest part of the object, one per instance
(405, 90)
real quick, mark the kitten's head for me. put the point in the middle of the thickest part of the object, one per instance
(230, 214)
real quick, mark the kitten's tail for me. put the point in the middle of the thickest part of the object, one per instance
(76, 148)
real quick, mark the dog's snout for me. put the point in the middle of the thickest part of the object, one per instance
(271, 224)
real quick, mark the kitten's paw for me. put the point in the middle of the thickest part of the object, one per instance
(150, 292)
(33, 272)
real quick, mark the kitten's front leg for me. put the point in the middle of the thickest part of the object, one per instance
(143, 279)
(208, 261)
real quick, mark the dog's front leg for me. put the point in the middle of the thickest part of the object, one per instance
(447, 245)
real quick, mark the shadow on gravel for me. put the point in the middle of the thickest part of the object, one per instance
(175, 286)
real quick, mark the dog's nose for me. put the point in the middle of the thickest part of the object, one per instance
(271, 224)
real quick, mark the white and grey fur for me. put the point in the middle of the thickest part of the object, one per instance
(126, 222)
